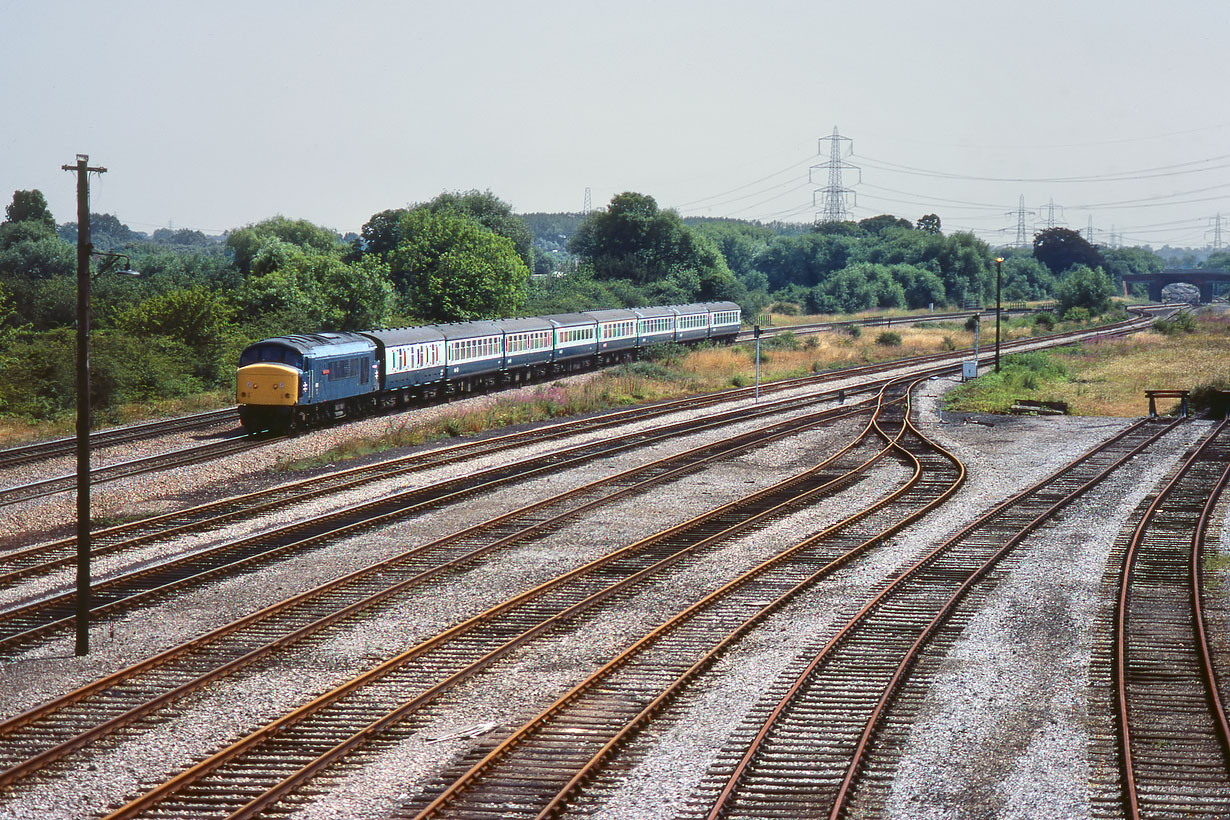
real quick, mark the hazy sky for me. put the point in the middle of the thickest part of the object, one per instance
(214, 115)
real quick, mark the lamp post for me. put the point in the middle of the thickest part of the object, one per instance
(85, 251)
(999, 262)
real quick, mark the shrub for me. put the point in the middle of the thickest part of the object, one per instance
(948, 343)
(1212, 398)
(1044, 320)
(1177, 324)
(971, 324)
(1076, 314)
(666, 352)
(780, 341)
(785, 308)
(853, 331)
(889, 338)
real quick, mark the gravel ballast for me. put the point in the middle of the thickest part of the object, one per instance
(1001, 732)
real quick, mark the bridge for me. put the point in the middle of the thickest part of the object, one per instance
(1201, 278)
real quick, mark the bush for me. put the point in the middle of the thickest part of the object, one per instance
(784, 308)
(780, 341)
(1044, 320)
(1076, 314)
(1211, 398)
(971, 323)
(1085, 287)
(667, 352)
(889, 338)
(854, 331)
(1177, 324)
(948, 343)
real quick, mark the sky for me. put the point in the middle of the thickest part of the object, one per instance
(216, 115)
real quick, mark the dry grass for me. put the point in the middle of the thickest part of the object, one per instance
(1109, 377)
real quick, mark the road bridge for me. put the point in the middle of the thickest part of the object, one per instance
(1205, 280)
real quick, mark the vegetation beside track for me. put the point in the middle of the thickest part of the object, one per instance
(1108, 377)
(669, 372)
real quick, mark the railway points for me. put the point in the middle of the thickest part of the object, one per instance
(258, 774)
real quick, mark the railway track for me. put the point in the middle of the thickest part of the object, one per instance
(276, 759)
(541, 765)
(821, 743)
(171, 459)
(43, 558)
(38, 559)
(194, 455)
(56, 448)
(1173, 737)
(30, 741)
(27, 622)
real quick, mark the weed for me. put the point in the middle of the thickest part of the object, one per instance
(889, 338)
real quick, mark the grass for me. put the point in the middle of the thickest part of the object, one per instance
(14, 430)
(1109, 377)
(674, 373)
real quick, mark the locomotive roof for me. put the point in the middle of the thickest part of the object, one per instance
(315, 342)
(404, 335)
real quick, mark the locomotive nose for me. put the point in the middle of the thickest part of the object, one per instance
(267, 384)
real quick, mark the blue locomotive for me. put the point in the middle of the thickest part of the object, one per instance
(298, 381)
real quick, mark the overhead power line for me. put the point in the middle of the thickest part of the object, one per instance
(1121, 176)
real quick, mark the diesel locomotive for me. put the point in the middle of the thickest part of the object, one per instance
(297, 381)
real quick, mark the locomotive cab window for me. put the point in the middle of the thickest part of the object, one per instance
(271, 353)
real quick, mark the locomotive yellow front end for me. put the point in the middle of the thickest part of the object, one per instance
(266, 393)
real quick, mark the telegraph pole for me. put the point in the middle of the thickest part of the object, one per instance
(83, 170)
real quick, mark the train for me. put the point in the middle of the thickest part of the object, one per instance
(294, 382)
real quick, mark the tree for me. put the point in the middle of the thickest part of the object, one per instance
(10, 323)
(183, 236)
(1217, 260)
(1025, 277)
(859, 287)
(246, 242)
(929, 223)
(296, 289)
(29, 206)
(876, 225)
(197, 316)
(634, 240)
(492, 213)
(106, 232)
(450, 268)
(1085, 287)
(382, 233)
(807, 259)
(1062, 248)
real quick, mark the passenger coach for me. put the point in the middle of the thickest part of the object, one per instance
(301, 380)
